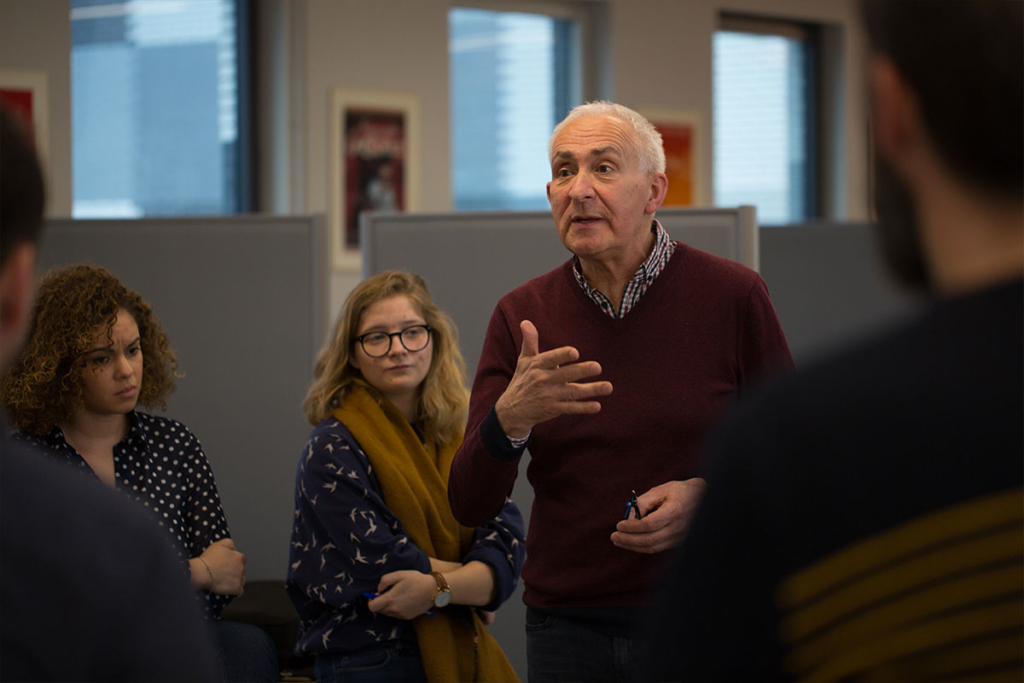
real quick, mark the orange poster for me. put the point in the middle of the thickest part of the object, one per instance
(679, 166)
(680, 135)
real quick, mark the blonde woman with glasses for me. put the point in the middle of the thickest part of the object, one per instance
(388, 586)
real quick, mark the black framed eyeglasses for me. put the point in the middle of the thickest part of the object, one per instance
(378, 344)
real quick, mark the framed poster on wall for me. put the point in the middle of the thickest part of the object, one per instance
(374, 163)
(680, 132)
(25, 91)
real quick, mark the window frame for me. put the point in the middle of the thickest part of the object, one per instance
(585, 65)
(810, 35)
(579, 88)
(246, 45)
(245, 184)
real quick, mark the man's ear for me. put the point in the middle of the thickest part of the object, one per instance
(659, 188)
(17, 287)
(895, 116)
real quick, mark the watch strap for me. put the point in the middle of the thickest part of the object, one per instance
(442, 585)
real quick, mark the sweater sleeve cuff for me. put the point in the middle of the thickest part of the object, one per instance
(496, 442)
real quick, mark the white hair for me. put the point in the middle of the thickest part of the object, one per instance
(649, 146)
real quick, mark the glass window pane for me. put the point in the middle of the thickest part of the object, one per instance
(760, 125)
(509, 86)
(154, 107)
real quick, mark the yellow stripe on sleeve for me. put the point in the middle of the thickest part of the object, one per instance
(941, 595)
(912, 537)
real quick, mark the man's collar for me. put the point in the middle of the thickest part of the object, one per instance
(648, 266)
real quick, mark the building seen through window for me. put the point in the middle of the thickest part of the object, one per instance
(154, 96)
(513, 76)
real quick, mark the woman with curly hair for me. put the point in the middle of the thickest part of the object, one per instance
(94, 352)
(388, 586)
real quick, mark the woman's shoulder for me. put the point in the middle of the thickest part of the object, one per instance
(44, 443)
(331, 439)
(157, 429)
(27, 439)
(332, 429)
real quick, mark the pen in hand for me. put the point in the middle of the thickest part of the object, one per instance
(632, 507)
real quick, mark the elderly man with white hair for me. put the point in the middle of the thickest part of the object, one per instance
(610, 368)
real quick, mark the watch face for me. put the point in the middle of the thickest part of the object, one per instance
(442, 598)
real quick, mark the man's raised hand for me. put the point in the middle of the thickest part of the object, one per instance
(546, 385)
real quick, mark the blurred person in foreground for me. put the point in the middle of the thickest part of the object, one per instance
(678, 333)
(863, 518)
(84, 596)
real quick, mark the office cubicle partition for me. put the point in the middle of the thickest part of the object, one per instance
(243, 300)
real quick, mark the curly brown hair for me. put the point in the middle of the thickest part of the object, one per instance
(44, 385)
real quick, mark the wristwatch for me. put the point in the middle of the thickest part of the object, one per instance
(444, 593)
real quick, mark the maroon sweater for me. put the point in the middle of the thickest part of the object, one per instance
(695, 340)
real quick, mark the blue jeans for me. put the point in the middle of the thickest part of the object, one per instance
(394, 663)
(245, 652)
(560, 650)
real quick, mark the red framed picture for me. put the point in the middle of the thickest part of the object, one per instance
(373, 162)
(24, 91)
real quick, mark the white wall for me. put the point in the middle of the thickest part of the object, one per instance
(395, 45)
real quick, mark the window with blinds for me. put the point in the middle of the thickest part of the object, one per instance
(155, 108)
(764, 113)
(513, 76)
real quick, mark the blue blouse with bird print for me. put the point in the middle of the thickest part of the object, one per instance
(344, 538)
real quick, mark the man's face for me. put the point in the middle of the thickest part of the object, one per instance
(601, 200)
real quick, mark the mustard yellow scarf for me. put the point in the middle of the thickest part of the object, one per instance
(455, 646)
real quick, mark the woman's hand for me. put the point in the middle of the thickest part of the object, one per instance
(226, 575)
(404, 594)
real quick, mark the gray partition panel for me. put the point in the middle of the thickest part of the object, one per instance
(828, 284)
(470, 260)
(243, 301)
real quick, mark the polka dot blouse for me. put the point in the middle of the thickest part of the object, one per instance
(160, 464)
